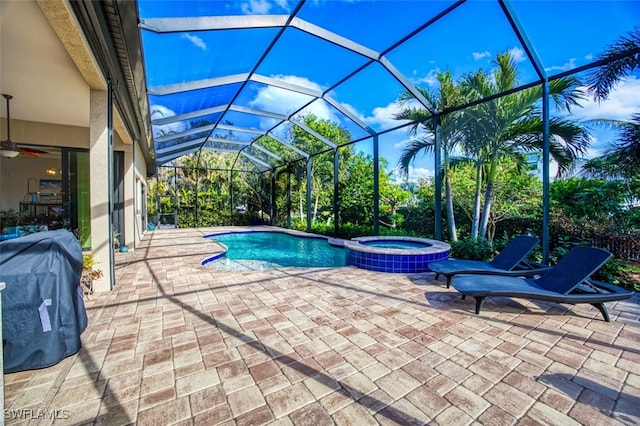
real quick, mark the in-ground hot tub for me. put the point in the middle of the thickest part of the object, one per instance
(395, 254)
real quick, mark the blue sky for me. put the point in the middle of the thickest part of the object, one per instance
(565, 35)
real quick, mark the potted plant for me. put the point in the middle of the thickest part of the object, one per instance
(89, 273)
(116, 240)
(117, 245)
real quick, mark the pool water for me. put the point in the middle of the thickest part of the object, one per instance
(269, 250)
(397, 244)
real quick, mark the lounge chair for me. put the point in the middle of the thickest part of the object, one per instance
(566, 282)
(513, 256)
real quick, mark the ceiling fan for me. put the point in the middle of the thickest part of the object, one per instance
(10, 149)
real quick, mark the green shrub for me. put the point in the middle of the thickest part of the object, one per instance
(620, 272)
(475, 249)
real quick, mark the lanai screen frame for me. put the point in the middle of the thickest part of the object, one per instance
(280, 23)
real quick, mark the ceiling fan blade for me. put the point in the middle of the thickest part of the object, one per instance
(25, 151)
(29, 154)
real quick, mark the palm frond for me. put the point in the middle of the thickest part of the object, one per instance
(457, 161)
(625, 151)
(506, 76)
(447, 95)
(601, 168)
(418, 117)
(567, 92)
(603, 79)
(568, 140)
(407, 96)
(630, 133)
(411, 150)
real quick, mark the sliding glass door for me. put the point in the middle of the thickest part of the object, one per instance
(75, 194)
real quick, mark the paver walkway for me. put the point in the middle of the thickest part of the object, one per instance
(176, 343)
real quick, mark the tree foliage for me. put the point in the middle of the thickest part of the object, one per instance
(491, 132)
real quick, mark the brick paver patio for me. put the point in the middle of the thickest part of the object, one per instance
(176, 343)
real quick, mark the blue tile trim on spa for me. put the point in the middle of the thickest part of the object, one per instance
(414, 260)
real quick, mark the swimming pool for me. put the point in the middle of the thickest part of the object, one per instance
(258, 250)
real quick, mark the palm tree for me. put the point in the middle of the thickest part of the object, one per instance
(511, 125)
(447, 96)
(624, 57)
(621, 161)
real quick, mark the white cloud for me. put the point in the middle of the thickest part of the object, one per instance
(160, 111)
(401, 144)
(414, 175)
(283, 4)
(299, 81)
(564, 67)
(623, 101)
(430, 79)
(352, 110)
(383, 116)
(518, 54)
(417, 173)
(256, 7)
(272, 99)
(195, 40)
(480, 55)
(320, 110)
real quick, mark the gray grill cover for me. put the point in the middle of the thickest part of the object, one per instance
(43, 311)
